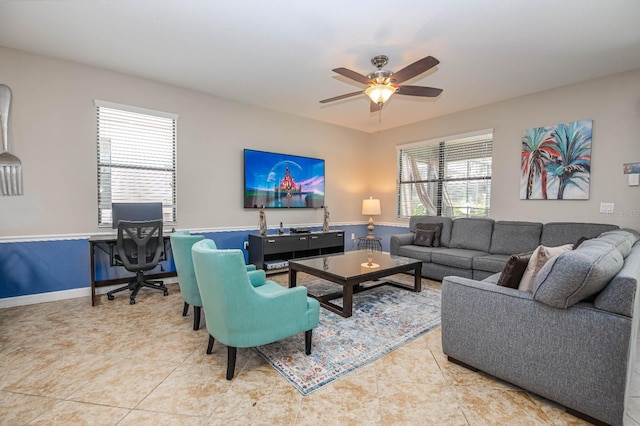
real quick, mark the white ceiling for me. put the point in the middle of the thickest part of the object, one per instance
(278, 54)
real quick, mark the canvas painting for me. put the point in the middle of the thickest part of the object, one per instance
(555, 162)
(631, 168)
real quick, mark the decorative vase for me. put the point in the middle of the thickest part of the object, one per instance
(263, 222)
(325, 222)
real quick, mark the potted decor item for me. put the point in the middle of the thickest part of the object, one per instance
(325, 222)
(263, 222)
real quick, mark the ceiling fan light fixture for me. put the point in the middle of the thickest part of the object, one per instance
(380, 93)
(381, 84)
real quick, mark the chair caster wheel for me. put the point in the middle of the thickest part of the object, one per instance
(132, 301)
(166, 293)
(110, 296)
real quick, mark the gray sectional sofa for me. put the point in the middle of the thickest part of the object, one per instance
(477, 247)
(573, 340)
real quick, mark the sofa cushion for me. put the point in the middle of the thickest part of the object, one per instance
(459, 258)
(512, 237)
(577, 274)
(492, 279)
(493, 263)
(559, 233)
(514, 270)
(416, 252)
(446, 226)
(619, 295)
(435, 228)
(622, 239)
(539, 257)
(471, 233)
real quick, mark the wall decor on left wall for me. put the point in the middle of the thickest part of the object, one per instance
(10, 165)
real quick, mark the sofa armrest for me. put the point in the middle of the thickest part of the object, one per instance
(400, 240)
(577, 357)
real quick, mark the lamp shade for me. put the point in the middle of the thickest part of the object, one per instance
(371, 207)
(380, 93)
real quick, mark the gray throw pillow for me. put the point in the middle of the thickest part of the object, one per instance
(578, 274)
(580, 241)
(435, 227)
(424, 238)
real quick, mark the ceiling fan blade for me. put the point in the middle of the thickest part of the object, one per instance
(414, 69)
(374, 107)
(429, 92)
(352, 75)
(337, 98)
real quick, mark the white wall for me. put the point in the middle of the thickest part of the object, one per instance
(613, 103)
(52, 129)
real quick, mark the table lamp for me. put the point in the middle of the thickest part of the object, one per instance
(371, 207)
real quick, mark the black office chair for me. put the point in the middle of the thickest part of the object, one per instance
(140, 246)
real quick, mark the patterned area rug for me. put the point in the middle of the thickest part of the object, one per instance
(384, 318)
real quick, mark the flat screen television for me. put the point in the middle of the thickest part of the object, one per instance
(273, 180)
(139, 212)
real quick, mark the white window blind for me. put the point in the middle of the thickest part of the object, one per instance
(136, 158)
(449, 177)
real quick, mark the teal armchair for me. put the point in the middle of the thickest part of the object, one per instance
(181, 243)
(241, 313)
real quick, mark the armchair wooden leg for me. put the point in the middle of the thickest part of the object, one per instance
(231, 362)
(185, 309)
(196, 317)
(307, 341)
(210, 346)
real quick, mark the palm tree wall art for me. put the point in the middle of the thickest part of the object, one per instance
(555, 162)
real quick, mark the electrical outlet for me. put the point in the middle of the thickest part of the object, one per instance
(606, 208)
(246, 245)
(353, 236)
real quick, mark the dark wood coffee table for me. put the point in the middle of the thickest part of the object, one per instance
(351, 269)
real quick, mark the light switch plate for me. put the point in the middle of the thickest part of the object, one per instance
(606, 208)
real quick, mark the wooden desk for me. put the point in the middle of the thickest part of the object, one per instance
(107, 244)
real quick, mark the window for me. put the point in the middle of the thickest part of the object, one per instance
(136, 158)
(449, 177)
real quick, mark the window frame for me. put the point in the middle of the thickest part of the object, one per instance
(408, 187)
(169, 131)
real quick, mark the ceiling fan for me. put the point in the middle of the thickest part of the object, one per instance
(381, 84)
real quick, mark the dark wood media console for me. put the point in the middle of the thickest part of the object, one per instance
(292, 246)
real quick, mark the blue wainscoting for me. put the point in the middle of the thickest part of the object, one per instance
(52, 265)
(43, 266)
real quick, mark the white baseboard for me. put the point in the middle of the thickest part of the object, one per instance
(31, 299)
(52, 296)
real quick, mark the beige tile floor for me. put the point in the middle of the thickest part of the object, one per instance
(68, 363)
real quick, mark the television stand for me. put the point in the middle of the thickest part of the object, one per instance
(284, 247)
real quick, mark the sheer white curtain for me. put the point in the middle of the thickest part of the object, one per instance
(446, 177)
